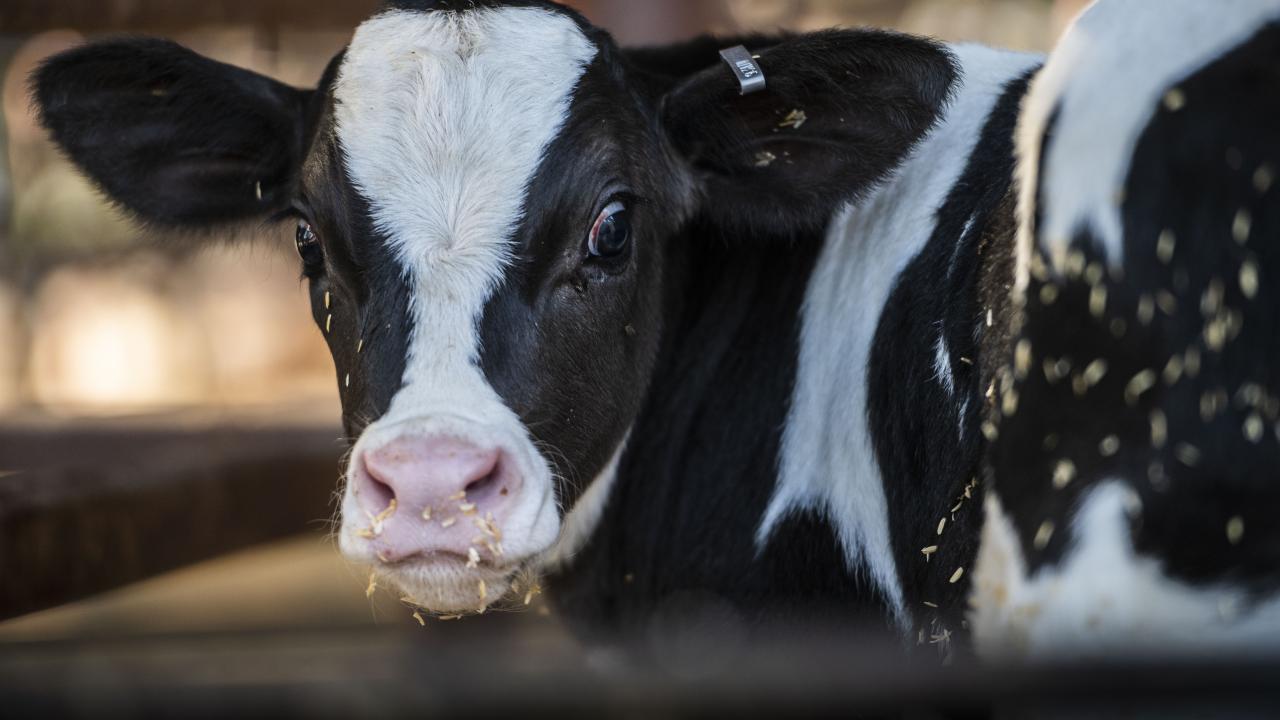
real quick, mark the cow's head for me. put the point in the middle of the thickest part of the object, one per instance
(487, 196)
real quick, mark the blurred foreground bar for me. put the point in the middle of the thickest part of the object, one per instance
(469, 669)
(88, 507)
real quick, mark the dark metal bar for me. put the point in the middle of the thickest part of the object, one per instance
(469, 670)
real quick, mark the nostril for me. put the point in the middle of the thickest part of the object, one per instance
(372, 491)
(482, 488)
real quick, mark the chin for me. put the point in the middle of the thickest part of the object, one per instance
(449, 587)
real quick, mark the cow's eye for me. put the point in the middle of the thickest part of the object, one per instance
(610, 236)
(309, 249)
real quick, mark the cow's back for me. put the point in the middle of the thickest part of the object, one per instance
(1136, 461)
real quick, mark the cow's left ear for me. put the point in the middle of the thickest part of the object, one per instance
(178, 139)
(840, 110)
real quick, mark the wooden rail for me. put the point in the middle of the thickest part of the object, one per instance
(88, 508)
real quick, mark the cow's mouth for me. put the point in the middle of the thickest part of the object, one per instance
(445, 583)
(444, 580)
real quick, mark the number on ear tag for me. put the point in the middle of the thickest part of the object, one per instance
(745, 68)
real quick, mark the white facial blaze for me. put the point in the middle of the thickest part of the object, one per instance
(443, 119)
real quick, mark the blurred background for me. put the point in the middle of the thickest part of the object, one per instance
(168, 412)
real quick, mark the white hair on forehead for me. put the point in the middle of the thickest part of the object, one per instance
(444, 117)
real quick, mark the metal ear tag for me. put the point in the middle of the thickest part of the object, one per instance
(745, 68)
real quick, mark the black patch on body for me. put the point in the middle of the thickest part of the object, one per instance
(1192, 171)
(701, 464)
(927, 442)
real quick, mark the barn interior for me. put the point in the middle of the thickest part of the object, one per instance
(170, 446)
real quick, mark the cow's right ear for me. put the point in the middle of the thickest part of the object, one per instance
(172, 136)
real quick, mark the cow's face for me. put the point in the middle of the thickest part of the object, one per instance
(488, 201)
(482, 221)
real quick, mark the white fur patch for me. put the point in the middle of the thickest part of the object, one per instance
(827, 462)
(1103, 599)
(443, 118)
(1109, 75)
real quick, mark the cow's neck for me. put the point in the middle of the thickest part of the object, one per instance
(700, 466)
(706, 466)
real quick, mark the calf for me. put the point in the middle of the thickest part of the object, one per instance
(597, 313)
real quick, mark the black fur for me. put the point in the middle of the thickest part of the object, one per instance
(675, 63)
(176, 138)
(866, 99)
(928, 451)
(569, 341)
(1191, 172)
(701, 463)
(366, 321)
